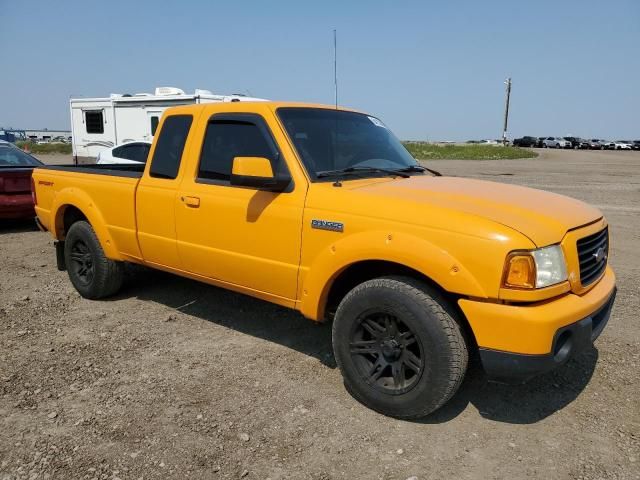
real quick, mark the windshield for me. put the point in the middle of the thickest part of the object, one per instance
(328, 140)
(14, 157)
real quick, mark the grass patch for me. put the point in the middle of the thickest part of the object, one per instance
(430, 151)
(46, 147)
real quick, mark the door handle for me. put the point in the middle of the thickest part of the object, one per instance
(193, 202)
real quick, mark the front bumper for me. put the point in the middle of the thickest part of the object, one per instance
(568, 342)
(517, 342)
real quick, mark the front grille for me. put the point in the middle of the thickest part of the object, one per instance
(592, 265)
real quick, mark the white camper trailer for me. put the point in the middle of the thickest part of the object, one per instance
(99, 123)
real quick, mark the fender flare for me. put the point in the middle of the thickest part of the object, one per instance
(74, 197)
(434, 262)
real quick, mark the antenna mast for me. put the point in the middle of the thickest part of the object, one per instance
(335, 65)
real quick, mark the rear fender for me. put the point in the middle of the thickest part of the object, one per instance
(416, 253)
(82, 201)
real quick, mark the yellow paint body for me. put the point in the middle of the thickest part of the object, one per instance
(455, 231)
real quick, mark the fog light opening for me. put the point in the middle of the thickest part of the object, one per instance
(563, 346)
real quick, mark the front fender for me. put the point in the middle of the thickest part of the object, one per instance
(82, 201)
(416, 253)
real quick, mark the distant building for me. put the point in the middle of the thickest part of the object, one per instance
(47, 135)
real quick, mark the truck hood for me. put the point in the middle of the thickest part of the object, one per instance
(543, 217)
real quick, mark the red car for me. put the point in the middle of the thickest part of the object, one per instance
(15, 182)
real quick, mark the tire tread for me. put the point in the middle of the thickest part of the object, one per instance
(441, 310)
(108, 275)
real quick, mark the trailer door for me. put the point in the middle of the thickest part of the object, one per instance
(153, 119)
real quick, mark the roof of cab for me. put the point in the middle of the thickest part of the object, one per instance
(248, 107)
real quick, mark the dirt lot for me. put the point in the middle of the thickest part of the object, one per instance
(174, 379)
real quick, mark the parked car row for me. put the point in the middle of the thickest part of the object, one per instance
(45, 140)
(576, 143)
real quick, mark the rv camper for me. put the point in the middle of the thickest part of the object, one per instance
(100, 123)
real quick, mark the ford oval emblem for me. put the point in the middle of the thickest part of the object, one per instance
(600, 255)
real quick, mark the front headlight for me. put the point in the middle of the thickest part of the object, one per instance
(538, 268)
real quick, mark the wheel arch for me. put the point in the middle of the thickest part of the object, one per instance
(367, 255)
(365, 270)
(72, 206)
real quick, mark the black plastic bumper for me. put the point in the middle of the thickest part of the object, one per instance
(568, 341)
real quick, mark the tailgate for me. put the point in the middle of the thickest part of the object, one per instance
(44, 194)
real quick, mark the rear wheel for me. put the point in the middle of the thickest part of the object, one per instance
(398, 346)
(92, 274)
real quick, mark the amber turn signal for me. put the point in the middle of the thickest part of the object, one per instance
(520, 271)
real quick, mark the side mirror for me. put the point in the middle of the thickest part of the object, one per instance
(257, 172)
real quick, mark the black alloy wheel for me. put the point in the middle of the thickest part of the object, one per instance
(82, 262)
(386, 352)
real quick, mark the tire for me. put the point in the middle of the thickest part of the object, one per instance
(92, 274)
(400, 351)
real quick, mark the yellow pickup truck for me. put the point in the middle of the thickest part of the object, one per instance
(323, 210)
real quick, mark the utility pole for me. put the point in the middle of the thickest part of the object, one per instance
(506, 111)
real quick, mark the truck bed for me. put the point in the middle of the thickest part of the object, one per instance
(104, 194)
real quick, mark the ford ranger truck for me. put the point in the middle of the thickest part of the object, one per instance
(322, 210)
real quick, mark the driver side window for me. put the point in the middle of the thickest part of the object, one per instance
(231, 136)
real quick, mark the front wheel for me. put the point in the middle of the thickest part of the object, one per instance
(398, 347)
(92, 274)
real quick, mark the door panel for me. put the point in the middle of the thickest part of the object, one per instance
(155, 211)
(158, 189)
(241, 236)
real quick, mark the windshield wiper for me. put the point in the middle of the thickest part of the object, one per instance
(356, 170)
(418, 168)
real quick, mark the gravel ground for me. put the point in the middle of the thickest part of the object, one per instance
(175, 379)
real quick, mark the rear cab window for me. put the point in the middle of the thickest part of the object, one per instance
(170, 146)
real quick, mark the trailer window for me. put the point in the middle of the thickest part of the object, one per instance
(169, 146)
(154, 125)
(94, 121)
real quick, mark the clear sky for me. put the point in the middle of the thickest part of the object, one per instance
(431, 70)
